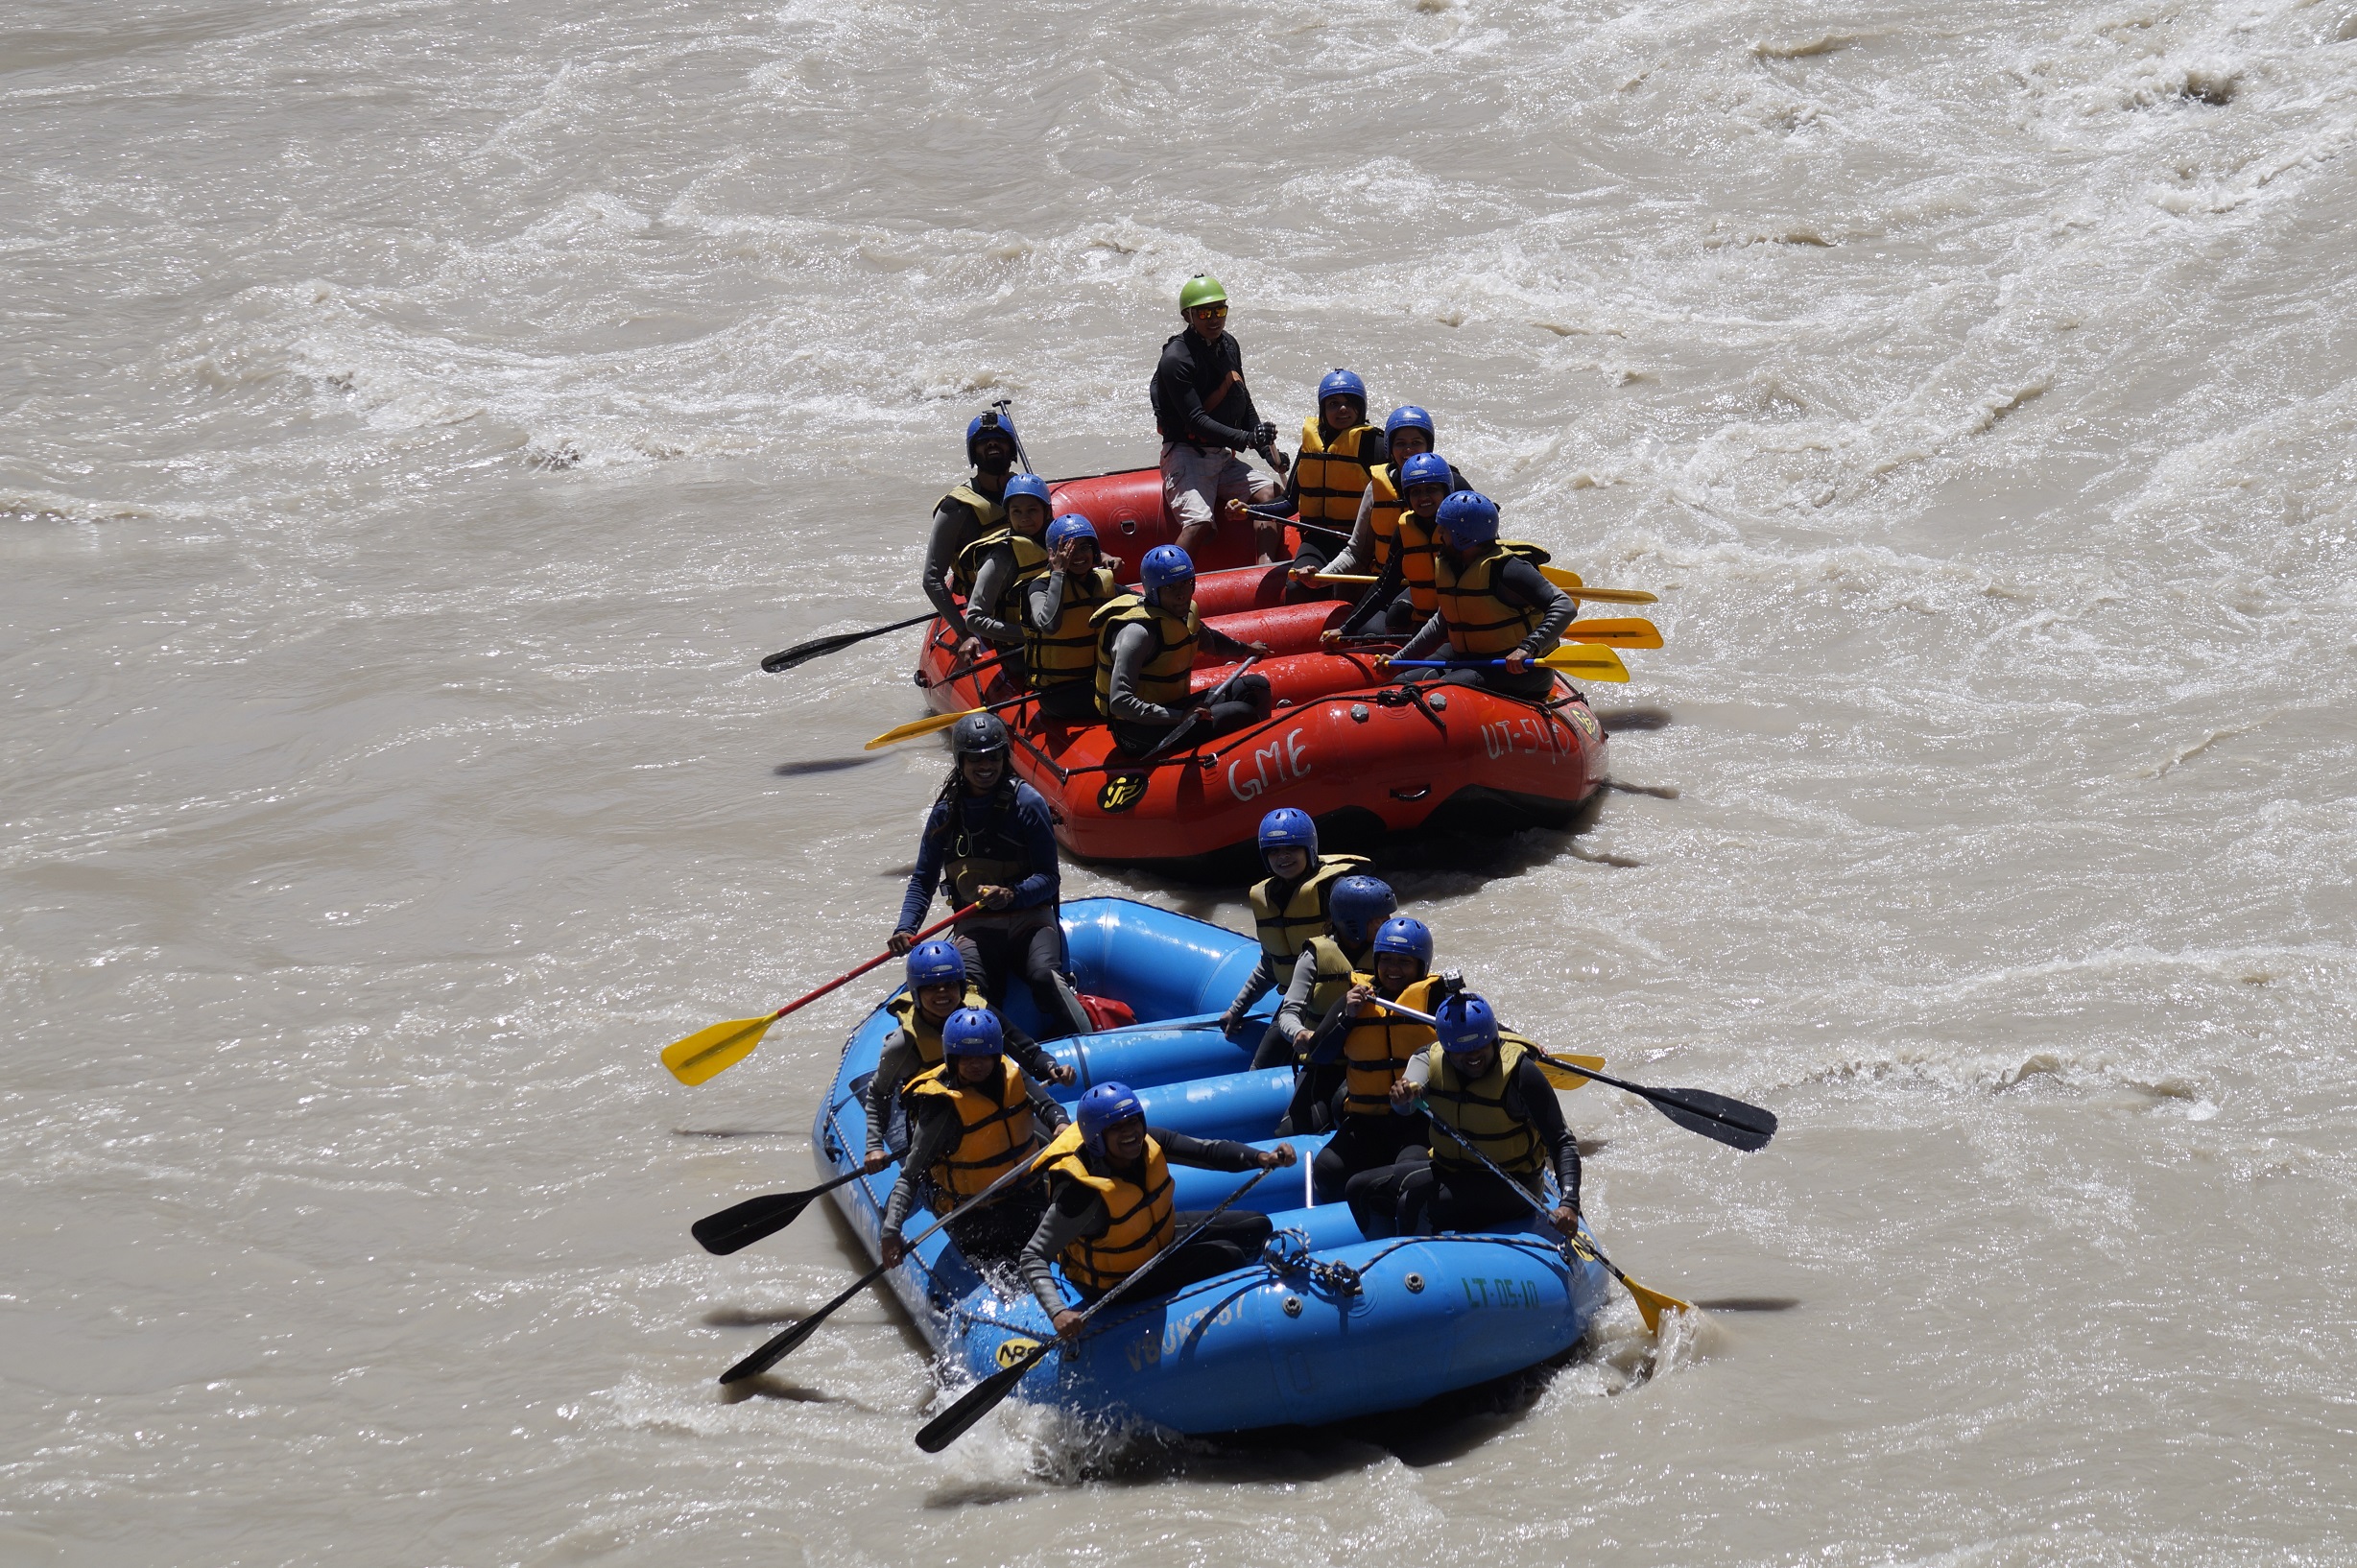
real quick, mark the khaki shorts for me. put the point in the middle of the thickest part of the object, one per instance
(1197, 481)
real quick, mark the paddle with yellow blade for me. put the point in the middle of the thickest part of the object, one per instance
(1624, 632)
(1651, 1303)
(711, 1051)
(1554, 574)
(940, 722)
(1592, 661)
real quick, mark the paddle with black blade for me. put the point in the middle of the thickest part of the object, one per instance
(738, 1227)
(802, 652)
(784, 1345)
(1731, 1122)
(986, 1396)
(1185, 726)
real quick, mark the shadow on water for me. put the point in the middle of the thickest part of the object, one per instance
(768, 1386)
(1750, 1303)
(819, 765)
(1622, 721)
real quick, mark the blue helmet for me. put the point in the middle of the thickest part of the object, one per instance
(1465, 1024)
(935, 964)
(1425, 469)
(1165, 564)
(1030, 484)
(1406, 933)
(1072, 525)
(1101, 1107)
(1356, 904)
(1468, 518)
(1408, 416)
(1345, 384)
(1287, 827)
(993, 424)
(973, 1031)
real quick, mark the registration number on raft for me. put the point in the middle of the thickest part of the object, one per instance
(1508, 736)
(1148, 1351)
(1506, 1292)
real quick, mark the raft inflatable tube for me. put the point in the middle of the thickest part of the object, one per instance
(1363, 757)
(1327, 1327)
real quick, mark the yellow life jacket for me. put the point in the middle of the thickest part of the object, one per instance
(922, 1031)
(1335, 972)
(1139, 1219)
(1382, 511)
(1481, 625)
(1283, 931)
(988, 513)
(1031, 559)
(995, 1123)
(1381, 1044)
(1333, 476)
(1474, 1113)
(1069, 653)
(1163, 679)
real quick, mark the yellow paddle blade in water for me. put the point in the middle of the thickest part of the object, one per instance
(1590, 660)
(918, 727)
(1560, 578)
(1628, 631)
(711, 1052)
(1652, 1305)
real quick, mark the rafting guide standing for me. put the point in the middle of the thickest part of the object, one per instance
(989, 840)
(1206, 415)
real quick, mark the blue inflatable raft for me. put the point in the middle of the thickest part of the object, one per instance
(1328, 1326)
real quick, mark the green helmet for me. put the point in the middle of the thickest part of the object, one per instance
(1202, 288)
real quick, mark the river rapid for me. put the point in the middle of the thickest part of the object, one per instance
(416, 420)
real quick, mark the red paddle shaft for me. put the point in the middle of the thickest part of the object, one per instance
(853, 974)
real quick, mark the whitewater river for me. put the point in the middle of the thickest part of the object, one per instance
(417, 418)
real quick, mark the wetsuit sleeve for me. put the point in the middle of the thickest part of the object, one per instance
(1428, 639)
(1204, 1154)
(1038, 835)
(1044, 600)
(1182, 405)
(1362, 543)
(934, 1130)
(1256, 985)
(1214, 640)
(1029, 1054)
(1131, 646)
(1326, 1044)
(894, 1065)
(927, 874)
(954, 525)
(1292, 1013)
(1045, 1110)
(990, 582)
(1417, 1075)
(1545, 1112)
(1074, 1211)
(1522, 582)
(1379, 596)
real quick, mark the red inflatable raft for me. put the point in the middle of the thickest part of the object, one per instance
(1361, 755)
